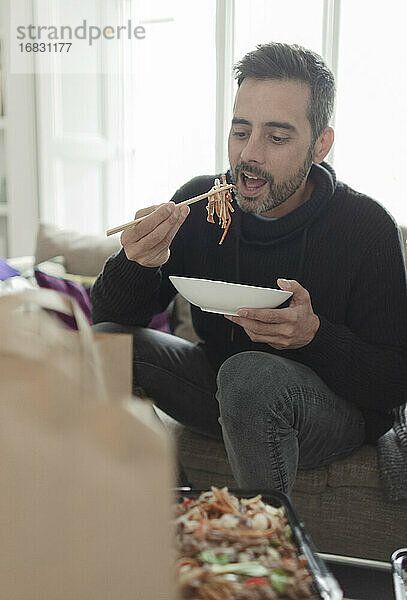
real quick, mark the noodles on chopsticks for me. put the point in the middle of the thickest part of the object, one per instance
(220, 202)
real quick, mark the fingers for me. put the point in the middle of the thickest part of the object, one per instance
(161, 237)
(281, 328)
(167, 215)
(276, 335)
(182, 215)
(148, 242)
(300, 294)
(267, 315)
(132, 234)
(142, 212)
(260, 328)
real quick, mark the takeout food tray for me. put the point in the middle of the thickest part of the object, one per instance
(399, 566)
(326, 586)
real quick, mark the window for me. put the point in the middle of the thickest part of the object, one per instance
(370, 74)
(171, 91)
(165, 117)
(170, 94)
(371, 119)
(262, 21)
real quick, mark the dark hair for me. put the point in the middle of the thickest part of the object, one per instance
(284, 61)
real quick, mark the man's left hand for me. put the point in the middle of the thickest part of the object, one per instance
(281, 328)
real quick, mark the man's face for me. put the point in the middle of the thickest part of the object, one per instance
(270, 149)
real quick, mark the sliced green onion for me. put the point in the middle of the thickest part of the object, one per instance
(278, 579)
(211, 557)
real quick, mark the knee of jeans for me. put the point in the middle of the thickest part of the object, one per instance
(243, 375)
(248, 378)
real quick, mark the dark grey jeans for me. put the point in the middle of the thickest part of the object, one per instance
(275, 415)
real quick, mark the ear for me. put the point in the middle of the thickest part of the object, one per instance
(323, 145)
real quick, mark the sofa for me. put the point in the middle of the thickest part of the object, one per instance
(343, 505)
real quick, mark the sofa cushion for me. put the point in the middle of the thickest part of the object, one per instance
(359, 469)
(83, 254)
(312, 481)
(353, 521)
(205, 453)
(182, 321)
(203, 459)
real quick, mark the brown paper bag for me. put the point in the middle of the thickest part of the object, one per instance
(116, 355)
(85, 501)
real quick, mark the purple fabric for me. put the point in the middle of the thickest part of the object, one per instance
(6, 271)
(160, 322)
(82, 296)
(72, 289)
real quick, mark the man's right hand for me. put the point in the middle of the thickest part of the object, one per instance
(148, 242)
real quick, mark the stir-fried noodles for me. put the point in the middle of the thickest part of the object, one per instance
(236, 549)
(220, 203)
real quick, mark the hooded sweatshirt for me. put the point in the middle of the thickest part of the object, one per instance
(344, 248)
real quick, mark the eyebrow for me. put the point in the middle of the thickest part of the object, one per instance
(278, 124)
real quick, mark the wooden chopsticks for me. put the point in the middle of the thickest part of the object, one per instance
(211, 192)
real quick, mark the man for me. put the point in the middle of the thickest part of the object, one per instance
(303, 384)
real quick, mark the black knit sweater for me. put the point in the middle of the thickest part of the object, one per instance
(342, 246)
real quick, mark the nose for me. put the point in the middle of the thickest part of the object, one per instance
(254, 150)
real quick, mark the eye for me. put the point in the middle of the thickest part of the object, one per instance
(239, 134)
(279, 140)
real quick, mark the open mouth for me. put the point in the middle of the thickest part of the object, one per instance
(251, 185)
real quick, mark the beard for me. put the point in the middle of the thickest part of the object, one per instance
(278, 193)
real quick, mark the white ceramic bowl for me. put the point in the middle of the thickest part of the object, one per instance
(226, 298)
